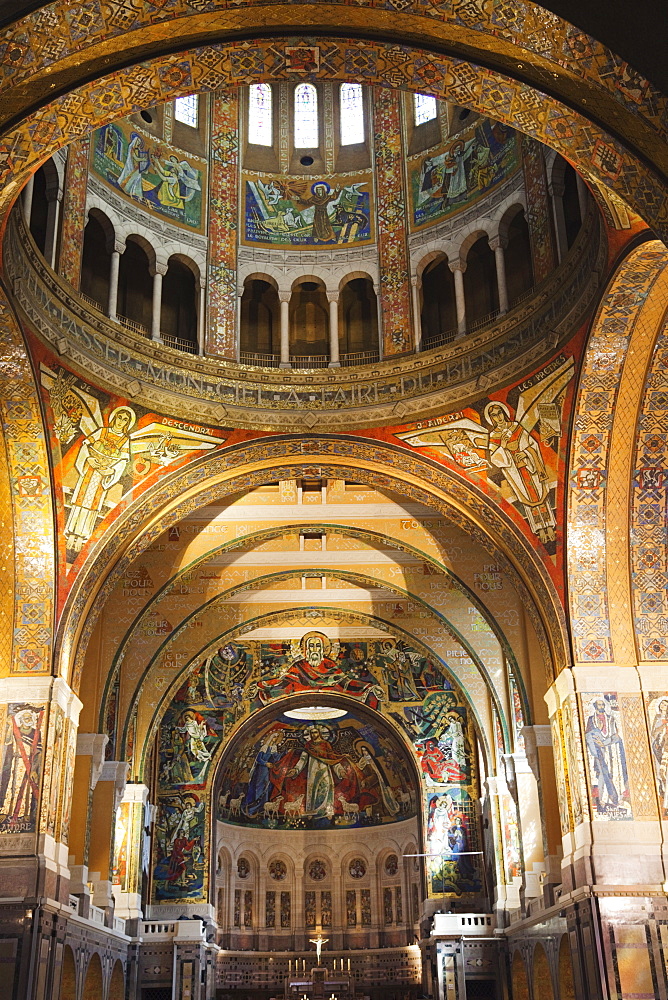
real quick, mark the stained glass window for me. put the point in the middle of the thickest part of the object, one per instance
(352, 113)
(306, 116)
(259, 115)
(425, 108)
(186, 110)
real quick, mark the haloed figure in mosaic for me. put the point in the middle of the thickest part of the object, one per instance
(21, 766)
(610, 781)
(101, 462)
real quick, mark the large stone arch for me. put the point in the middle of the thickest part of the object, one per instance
(488, 35)
(247, 466)
(602, 457)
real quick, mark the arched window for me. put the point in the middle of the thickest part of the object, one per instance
(352, 113)
(306, 116)
(424, 107)
(186, 110)
(260, 115)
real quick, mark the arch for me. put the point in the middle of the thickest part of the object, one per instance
(518, 974)
(93, 987)
(116, 983)
(358, 309)
(481, 290)
(438, 314)
(180, 303)
(620, 113)
(309, 318)
(542, 976)
(518, 258)
(565, 971)
(625, 329)
(438, 488)
(68, 976)
(135, 284)
(99, 241)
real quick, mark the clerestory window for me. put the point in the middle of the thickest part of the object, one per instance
(424, 108)
(306, 116)
(351, 108)
(260, 115)
(186, 110)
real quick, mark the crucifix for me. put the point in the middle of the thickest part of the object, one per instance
(318, 942)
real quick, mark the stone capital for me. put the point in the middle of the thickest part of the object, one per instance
(457, 265)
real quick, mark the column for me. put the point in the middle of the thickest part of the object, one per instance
(458, 267)
(74, 211)
(158, 272)
(583, 196)
(223, 202)
(417, 318)
(556, 191)
(240, 293)
(131, 829)
(107, 796)
(498, 245)
(54, 195)
(201, 316)
(333, 299)
(114, 265)
(285, 328)
(27, 200)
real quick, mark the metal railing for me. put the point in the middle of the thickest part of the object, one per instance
(134, 326)
(91, 301)
(179, 344)
(259, 359)
(439, 340)
(483, 321)
(360, 358)
(309, 361)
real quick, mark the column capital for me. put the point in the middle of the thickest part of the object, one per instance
(158, 268)
(497, 242)
(284, 294)
(332, 296)
(116, 771)
(457, 265)
(93, 745)
(118, 246)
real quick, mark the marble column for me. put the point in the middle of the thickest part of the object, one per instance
(333, 299)
(284, 297)
(498, 245)
(158, 271)
(201, 316)
(114, 266)
(417, 317)
(556, 191)
(458, 267)
(54, 195)
(27, 200)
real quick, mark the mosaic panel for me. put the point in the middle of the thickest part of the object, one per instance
(594, 151)
(104, 451)
(607, 767)
(649, 510)
(456, 174)
(657, 718)
(590, 450)
(31, 504)
(395, 287)
(643, 799)
(514, 444)
(538, 211)
(315, 773)
(21, 763)
(222, 282)
(159, 176)
(307, 212)
(74, 211)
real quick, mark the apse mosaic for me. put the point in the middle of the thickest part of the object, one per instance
(456, 174)
(334, 773)
(162, 178)
(103, 449)
(307, 212)
(513, 441)
(315, 773)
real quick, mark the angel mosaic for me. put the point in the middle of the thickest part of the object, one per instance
(511, 444)
(112, 447)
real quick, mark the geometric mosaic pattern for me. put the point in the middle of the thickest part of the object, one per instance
(649, 510)
(221, 66)
(74, 211)
(223, 224)
(604, 363)
(395, 288)
(31, 512)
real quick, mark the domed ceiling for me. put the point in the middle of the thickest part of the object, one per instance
(334, 770)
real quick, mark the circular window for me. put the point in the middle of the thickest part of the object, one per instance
(306, 161)
(391, 864)
(357, 868)
(278, 870)
(243, 868)
(317, 870)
